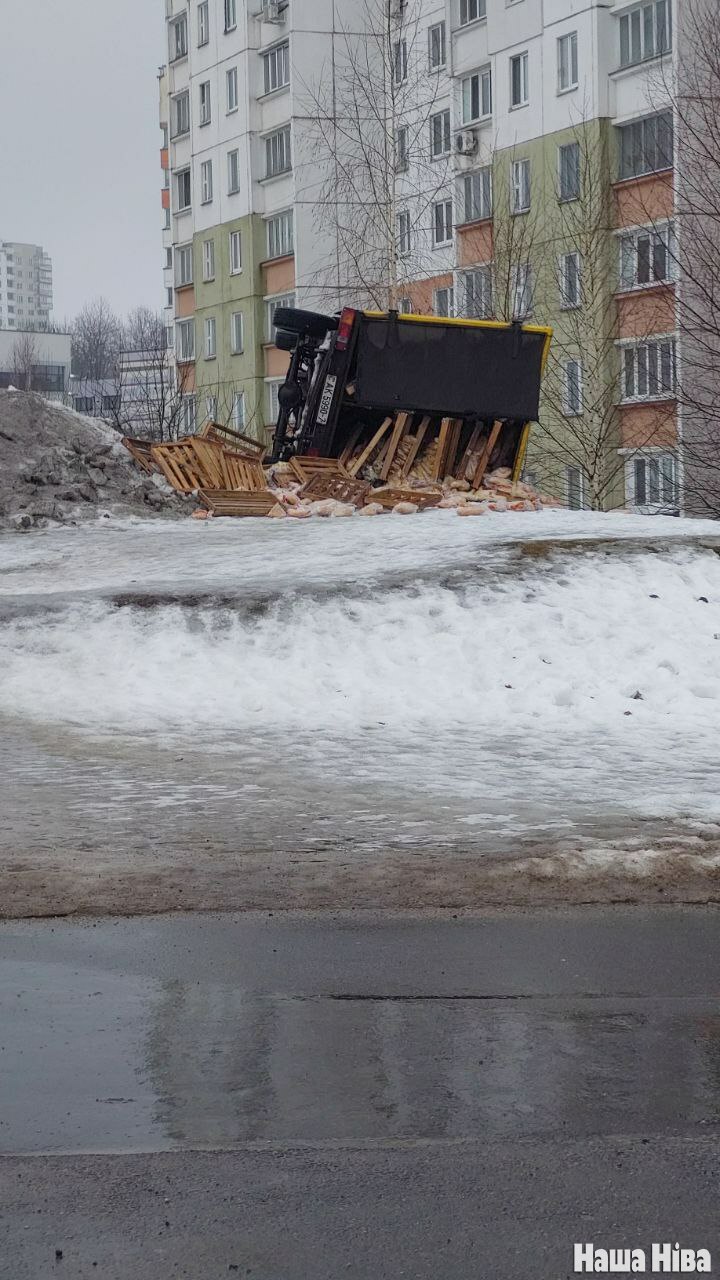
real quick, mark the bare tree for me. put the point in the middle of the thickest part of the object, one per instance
(382, 147)
(96, 334)
(24, 361)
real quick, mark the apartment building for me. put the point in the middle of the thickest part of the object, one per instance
(492, 158)
(26, 294)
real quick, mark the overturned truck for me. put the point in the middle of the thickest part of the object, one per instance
(360, 383)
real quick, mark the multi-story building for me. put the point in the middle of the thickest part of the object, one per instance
(492, 158)
(26, 292)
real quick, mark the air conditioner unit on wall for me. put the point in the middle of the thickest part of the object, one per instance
(466, 143)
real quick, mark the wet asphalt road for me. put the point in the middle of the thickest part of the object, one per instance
(301, 1096)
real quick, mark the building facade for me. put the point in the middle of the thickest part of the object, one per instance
(26, 291)
(490, 158)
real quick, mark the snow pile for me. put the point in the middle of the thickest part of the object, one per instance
(569, 645)
(59, 467)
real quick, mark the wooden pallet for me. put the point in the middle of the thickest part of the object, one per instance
(141, 451)
(235, 439)
(305, 467)
(180, 466)
(228, 502)
(335, 484)
(389, 497)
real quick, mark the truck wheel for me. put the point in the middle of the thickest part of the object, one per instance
(310, 322)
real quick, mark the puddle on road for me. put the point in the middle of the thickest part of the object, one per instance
(105, 1061)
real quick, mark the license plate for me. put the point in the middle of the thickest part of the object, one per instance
(326, 399)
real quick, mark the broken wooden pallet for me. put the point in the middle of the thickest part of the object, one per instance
(180, 466)
(234, 439)
(141, 451)
(228, 502)
(335, 484)
(305, 467)
(389, 497)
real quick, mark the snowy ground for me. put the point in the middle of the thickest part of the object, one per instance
(419, 709)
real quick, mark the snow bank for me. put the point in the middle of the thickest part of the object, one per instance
(561, 647)
(59, 467)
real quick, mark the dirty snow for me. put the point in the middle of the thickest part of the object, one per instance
(61, 467)
(355, 688)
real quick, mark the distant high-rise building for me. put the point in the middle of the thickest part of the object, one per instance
(26, 296)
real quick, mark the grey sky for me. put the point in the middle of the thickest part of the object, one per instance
(80, 144)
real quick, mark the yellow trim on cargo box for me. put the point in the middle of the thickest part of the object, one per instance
(411, 318)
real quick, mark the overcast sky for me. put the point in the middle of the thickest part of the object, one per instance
(80, 145)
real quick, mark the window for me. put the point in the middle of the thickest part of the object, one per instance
(471, 10)
(210, 338)
(277, 152)
(401, 148)
(205, 110)
(521, 291)
(572, 388)
(280, 234)
(236, 333)
(208, 259)
(231, 86)
(645, 32)
(520, 186)
(570, 281)
(400, 61)
(180, 114)
(476, 96)
(84, 404)
(567, 62)
(647, 257)
(178, 38)
(436, 39)
(444, 301)
(646, 146)
(239, 410)
(519, 96)
(575, 484)
(168, 258)
(185, 339)
(203, 23)
(206, 181)
(233, 172)
(170, 296)
(273, 401)
(235, 253)
(277, 67)
(649, 370)
(655, 481)
(403, 233)
(211, 408)
(442, 222)
(188, 415)
(405, 306)
(183, 265)
(183, 190)
(477, 195)
(230, 15)
(477, 293)
(569, 171)
(440, 134)
(271, 306)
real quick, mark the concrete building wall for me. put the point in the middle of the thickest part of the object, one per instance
(589, 110)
